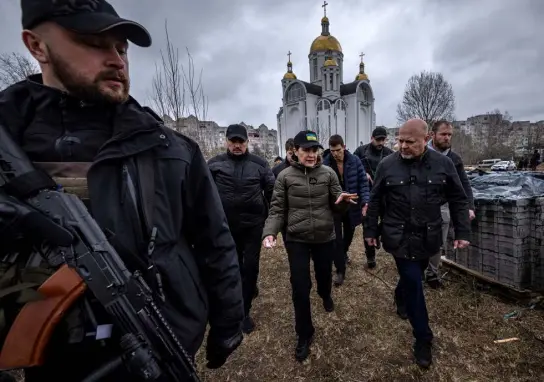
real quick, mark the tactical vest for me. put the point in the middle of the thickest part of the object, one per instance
(22, 273)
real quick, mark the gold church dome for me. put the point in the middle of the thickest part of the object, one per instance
(361, 77)
(330, 62)
(325, 43)
(289, 76)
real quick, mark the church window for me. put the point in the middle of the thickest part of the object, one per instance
(330, 82)
(327, 105)
(295, 93)
(320, 106)
(315, 68)
(340, 105)
(337, 82)
(365, 96)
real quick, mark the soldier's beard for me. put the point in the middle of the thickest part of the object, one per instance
(90, 90)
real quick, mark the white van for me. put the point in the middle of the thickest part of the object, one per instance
(487, 163)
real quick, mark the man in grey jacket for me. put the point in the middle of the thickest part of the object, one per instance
(441, 134)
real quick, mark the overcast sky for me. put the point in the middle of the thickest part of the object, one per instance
(491, 51)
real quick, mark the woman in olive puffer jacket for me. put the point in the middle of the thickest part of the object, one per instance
(304, 197)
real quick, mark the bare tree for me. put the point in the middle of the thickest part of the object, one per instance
(321, 129)
(427, 96)
(176, 91)
(536, 136)
(494, 134)
(463, 145)
(15, 67)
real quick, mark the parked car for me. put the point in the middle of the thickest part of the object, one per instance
(488, 163)
(506, 165)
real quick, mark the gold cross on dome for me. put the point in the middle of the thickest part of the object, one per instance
(324, 6)
(362, 55)
(289, 55)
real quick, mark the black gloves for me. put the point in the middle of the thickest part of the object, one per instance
(18, 220)
(218, 349)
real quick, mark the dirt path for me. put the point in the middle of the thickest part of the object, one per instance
(363, 340)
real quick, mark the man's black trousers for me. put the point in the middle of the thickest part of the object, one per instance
(410, 295)
(299, 255)
(344, 236)
(248, 246)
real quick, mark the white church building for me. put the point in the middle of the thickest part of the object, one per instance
(326, 104)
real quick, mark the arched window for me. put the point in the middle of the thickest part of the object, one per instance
(365, 95)
(295, 93)
(339, 105)
(323, 105)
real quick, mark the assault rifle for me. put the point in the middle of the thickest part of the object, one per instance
(150, 348)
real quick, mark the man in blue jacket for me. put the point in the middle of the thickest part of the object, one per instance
(352, 176)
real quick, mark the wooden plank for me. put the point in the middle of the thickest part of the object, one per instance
(510, 290)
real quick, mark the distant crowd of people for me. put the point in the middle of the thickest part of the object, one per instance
(530, 163)
(316, 197)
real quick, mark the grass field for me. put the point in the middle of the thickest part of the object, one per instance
(364, 340)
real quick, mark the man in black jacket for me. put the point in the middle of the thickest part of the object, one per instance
(289, 150)
(371, 155)
(79, 110)
(409, 188)
(245, 183)
(441, 134)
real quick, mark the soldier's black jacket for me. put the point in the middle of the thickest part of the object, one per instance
(407, 196)
(245, 183)
(194, 250)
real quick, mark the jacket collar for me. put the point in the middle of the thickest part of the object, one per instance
(133, 128)
(238, 157)
(297, 164)
(431, 147)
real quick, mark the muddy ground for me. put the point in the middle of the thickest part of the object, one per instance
(364, 340)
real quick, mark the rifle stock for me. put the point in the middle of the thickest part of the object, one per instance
(31, 331)
(152, 350)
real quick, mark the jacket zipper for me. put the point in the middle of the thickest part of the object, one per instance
(129, 187)
(310, 199)
(124, 182)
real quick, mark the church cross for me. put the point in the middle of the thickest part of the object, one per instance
(362, 55)
(324, 6)
(289, 55)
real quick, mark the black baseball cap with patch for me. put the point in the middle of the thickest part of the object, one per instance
(83, 17)
(307, 139)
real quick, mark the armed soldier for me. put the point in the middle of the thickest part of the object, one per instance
(78, 116)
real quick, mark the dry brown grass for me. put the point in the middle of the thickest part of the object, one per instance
(364, 340)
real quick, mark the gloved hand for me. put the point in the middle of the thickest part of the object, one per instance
(18, 220)
(219, 349)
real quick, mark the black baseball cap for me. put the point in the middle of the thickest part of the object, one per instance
(236, 131)
(82, 16)
(379, 132)
(307, 139)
